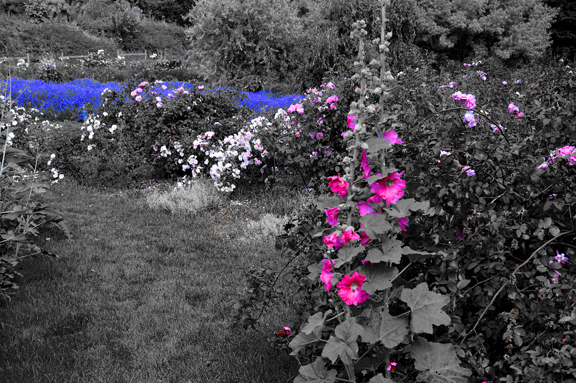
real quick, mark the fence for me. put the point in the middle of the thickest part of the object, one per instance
(160, 55)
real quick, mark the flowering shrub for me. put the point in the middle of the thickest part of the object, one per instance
(480, 284)
(22, 215)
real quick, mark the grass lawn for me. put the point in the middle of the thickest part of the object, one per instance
(144, 293)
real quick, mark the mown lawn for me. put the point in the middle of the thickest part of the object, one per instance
(144, 295)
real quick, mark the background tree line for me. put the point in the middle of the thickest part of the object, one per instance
(258, 43)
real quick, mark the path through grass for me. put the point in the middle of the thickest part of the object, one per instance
(140, 295)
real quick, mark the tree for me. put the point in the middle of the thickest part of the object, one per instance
(563, 30)
(509, 29)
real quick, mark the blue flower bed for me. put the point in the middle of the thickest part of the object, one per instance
(53, 98)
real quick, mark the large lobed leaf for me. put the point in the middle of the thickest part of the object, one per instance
(438, 362)
(426, 308)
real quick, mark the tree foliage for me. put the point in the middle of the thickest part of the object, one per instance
(507, 29)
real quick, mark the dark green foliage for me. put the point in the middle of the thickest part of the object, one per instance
(158, 36)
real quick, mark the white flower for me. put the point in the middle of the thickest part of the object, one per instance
(89, 147)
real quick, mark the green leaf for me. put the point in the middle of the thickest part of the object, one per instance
(315, 321)
(347, 253)
(393, 329)
(375, 224)
(426, 308)
(378, 277)
(380, 379)
(302, 340)
(315, 269)
(370, 322)
(343, 343)
(438, 362)
(392, 249)
(403, 207)
(316, 373)
(325, 202)
(377, 144)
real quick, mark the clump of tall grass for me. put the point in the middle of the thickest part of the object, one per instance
(188, 197)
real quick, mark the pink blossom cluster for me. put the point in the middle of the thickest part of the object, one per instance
(470, 119)
(469, 100)
(568, 152)
(514, 109)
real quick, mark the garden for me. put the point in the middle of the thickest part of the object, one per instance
(379, 226)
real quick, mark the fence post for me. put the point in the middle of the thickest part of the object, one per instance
(27, 59)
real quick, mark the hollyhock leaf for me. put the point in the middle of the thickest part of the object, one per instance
(324, 202)
(393, 329)
(426, 308)
(302, 340)
(380, 379)
(370, 322)
(316, 373)
(375, 255)
(375, 224)
(315, 321)
(438, 362)
(404, 206)
(378, 277)
(392, 249)
(314, 270)
(347, 253)
(344, 343)
(377, 144)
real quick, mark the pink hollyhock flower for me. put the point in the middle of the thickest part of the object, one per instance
(327, 264)
(325, 274)
(164, 87)
(364, 238)
(470, 101)
(444, 153)
(403, 222)
(138, 98)
(330, 86)
(364, 208)
(504, 83)
(374, 199)
(392, 137)
(159, 105)
(326, 278)
(318, 135)
(332, 216)
(351, 289)
(296, 108)
(520, 115)
(332, 240)
(365, 262)
(390, 188)
(350, 121)
(561, 258)
(143, 83)
(348, 236)
(338, 185)
(365, 164)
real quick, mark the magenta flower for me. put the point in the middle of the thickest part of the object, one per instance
(365, 164)
(332, 216)
(460, 234)
(364, 238)
(351, 289)
(504, 83)
(560, 258)
(348, 236)
(284, 332)
(392, 137)
(364, 208)
(138, 98)
(144, 83)
(318, 135)
(350, 121)
(332, 240)
(512, 108)
(296, 108)
(330, 85)
(338, 185)
(390, 188)
(325, 274)
(403, 222)
(470, 119)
